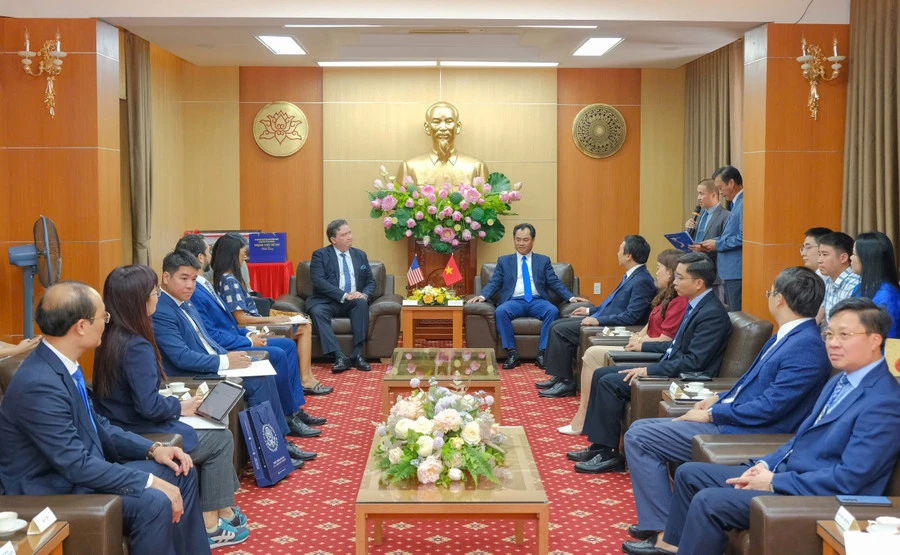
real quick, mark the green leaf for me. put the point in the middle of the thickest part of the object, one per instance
(402, 214)
(376, 212)
(411, 189)
(456, 198)
(382, 193)
(441, 247)
(477, 214)
(494, 233)
(371, 196)
(419, 231)
(499, 182)
(395, 232)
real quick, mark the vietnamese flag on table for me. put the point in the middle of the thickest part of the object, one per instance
(451, 272)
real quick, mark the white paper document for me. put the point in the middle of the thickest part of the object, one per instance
(199, 423)
(257, 368)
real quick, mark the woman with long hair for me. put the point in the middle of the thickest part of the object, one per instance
(127, 377)
(874, 262)
(228, 254)
(668, 311)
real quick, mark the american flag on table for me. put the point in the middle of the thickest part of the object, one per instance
(414, 275)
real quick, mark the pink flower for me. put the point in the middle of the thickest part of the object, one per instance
(468, 220)
(429, 470)
(419, 215)
(481, 234)
(408, 233)
(427, 189)
(478, 181)
(432, 210)
(486, 188)
(438, 229)
(455, 243)
(457, 216)
(390, 186)
(387, 223)
(378, 184)
(447, 234)
(446, 186)
(447, 420)
(480, 201)
(432, 198)
(443, 193)
(402, 189)
(515, 195)
(415, 194)
(517, 186)
(466, 355)
(472, 195)
(376, 203)
(407, 180)
(410, 203)
(464, 205)
(475, 225)
(389, 202)
(504, 197)
(466, 235)
(410, 223)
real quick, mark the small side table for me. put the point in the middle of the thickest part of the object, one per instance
(48, 543)
(832, 537)
(410, 314)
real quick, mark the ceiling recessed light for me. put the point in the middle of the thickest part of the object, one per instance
(329, 26)
(557, 26)
(499, 64)
(379, 63)
(597, 46)
(281, 45)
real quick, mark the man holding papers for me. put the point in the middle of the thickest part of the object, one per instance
(187, 348)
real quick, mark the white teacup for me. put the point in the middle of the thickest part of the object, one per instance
(882, 529)
(619, 328)
(174, 386)
(251, 329)
(888, 521)
(9, 515)
(693, 387)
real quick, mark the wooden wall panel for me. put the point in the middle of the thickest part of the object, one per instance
(598, 201)
(283, 194)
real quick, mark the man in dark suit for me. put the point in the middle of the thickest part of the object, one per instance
(847, 445)
(54, 443)
(627, 305)
(698, 347)
(188, 349)
(712, 216)
(521, 284)
(774, 396)
(342, 285)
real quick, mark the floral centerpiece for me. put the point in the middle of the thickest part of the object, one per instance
(440, 436)
(443, 216)
(433, 296)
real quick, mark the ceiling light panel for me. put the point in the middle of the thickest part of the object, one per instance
(379, 63)
(557, 26)
(281, 45)
(497, 64)
(597, 46)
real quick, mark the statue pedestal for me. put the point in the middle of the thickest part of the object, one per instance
(433, 264)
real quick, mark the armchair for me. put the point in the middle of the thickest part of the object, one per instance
(481, 327)
(384, 313)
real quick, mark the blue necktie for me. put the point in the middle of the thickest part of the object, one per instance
(701, 228)
(835, 398)
(346, 267)
(195, 316)
(82, 390)
(212, 292)
(609, 299)
(671, 348)
(526, 279)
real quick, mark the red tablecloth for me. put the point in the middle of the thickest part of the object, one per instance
(271, 279)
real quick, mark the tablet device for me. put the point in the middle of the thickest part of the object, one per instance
(864, 500)
(220, 400)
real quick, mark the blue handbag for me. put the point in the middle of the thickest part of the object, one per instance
(268, 451)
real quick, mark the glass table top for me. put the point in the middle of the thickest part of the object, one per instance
(471, 364)
(523, 484)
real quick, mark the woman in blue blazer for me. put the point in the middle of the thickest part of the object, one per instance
(127, 378)
(873, 260)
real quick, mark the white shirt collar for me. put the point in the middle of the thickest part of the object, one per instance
(737, 196)
(179, 303)
(338, 252)
(631, 271)
(712, 208)
(526, 256)
(789, 327)
(202, 279)
(71, 365)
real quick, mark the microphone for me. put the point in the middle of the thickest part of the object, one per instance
(695, 215)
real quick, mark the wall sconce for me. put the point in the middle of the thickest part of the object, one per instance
(50, 63)
(813, 65)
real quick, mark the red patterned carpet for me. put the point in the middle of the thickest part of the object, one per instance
(312, 510)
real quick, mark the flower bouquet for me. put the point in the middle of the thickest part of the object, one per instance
(443, 216)
(432, 296)
(440, 436)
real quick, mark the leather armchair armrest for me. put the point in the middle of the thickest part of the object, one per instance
(289, 303)
(634, 356)
(485, 309)
(607, 340)
(645, 397)
(735, 449)
(166, 439)
(95, 520)
(280, 330)
(388, 303)
(566, 309)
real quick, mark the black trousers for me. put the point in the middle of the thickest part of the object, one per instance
(609, 393)
(562, 346)
(322, 313)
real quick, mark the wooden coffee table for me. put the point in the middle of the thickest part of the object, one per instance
(48, 543)
(442, 364)
(521, 498)
(410, 314)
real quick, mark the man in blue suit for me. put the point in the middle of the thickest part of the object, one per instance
(697, 348)
(729, 245)
(627, 305)
(342, 285)
(847, 445)
(521, 284)
(187, 348)
(54, 443)
(774, 396)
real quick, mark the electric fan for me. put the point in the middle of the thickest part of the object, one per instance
(41, 258)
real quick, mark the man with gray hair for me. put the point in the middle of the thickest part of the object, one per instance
(342, 285)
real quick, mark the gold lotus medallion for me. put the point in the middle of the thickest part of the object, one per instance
(599, 130)
(280, 129)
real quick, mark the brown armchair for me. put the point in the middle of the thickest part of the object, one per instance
(384, 313)
(748, 336)
(778, 521)
(481, 327)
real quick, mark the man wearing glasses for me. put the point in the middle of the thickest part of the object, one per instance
(847, 445)
(809, 250)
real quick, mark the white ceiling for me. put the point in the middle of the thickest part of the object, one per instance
(658, 33)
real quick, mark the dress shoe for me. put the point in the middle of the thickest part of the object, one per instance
(585, 454)
(539, 361)
(568, 430)
(639, 534)
(549, 383)
(299, 429)
(603, 462)
(309, 419)
(645, 547)
(297, 464)
(360, 363)
(297, 454)
(318, 389)
(512, 360)
(342, 363)
(564, 388)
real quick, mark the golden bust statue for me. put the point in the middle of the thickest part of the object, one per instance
(443, 164)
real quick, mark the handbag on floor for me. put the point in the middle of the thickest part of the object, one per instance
(268, 451)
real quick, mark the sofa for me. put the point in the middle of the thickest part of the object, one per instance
(384, 313)
(481, 327)
(780, 521)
